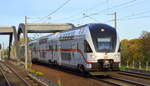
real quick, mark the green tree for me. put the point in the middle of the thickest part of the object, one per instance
(137, 50)
(145, 45)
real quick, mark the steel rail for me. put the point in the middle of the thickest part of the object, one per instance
(18, 75)
(102, 80)
(143, 74)
(7, 81)
(105, 81)
(134, 75)
(129, 81)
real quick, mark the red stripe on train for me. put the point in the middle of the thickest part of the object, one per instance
(69, 50)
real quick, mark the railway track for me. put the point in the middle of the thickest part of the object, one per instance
(12, 78)
(3, 79)
(137, 75)
(111, 80)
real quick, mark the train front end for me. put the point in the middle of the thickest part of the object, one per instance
(104, 43)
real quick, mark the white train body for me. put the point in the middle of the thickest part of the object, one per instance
(89, 47)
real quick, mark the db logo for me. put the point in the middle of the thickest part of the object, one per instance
(105, 57)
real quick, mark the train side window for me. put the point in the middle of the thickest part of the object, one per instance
(77, 46)
(50, 47)
(34, 47)
(56, 47)
(43, 41)
(87, 47)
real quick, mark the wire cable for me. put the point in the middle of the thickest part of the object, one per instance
(81, 12)
(115, 6)
(51, 13)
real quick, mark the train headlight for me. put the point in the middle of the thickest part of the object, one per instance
(102, 30)
(117, 55)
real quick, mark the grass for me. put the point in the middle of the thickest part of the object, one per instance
(123, 67)
(35, 72)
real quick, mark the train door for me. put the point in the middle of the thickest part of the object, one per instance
(43, 47)
(74, 55)
(46, 52)
(55, 53)
(79, 54)
(50, 52)
(38, 52)
(80, 48)
(59, 52)
(68, 46)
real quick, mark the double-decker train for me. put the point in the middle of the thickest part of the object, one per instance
(91, 47)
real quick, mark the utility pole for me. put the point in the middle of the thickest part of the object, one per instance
(26, 44)
(114, 19)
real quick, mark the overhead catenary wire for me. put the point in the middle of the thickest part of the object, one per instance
(127, 3)
(85, 15)
(81, 12)
(137, 14)
(139, 17)
(120, 5)
(115, 6)
(73, 16)
(51, 13)
(61, 6)
(132, 4)
(99, 12)
(129, 18)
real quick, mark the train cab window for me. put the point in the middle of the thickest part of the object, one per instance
(87, 47)
(104, 44)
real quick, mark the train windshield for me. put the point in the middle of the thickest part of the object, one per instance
(104, 37)
(104, 44)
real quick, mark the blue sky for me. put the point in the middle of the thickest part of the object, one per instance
(132, 15)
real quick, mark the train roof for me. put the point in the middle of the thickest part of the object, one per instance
(91, 26)
(97, 25)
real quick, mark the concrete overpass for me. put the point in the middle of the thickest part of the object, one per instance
(41, 28)
(11, 31)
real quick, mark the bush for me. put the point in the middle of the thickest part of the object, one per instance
(39, 74)
(31, 71)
